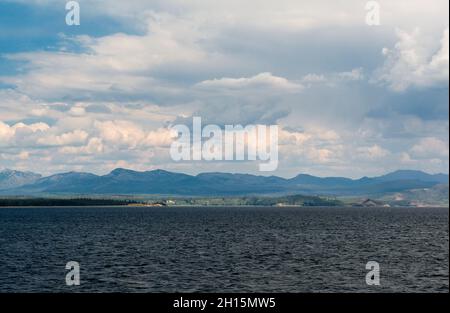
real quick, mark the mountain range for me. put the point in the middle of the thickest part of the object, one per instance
(160, 182)
(12, 179)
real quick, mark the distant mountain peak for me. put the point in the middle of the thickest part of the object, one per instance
(119, 171)
(159, 171)
(11, 171)
(13, 179)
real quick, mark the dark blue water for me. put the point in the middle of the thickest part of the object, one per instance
(224, 249)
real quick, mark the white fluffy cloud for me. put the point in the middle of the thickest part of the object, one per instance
(76, 137)
(14, 134)
(126, 134)
(413, 62)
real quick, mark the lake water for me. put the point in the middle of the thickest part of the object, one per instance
(126, 249)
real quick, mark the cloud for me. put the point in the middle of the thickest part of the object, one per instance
(260, 81)
(430, 147)
(126, 134)
(17, 157)
(77, 111)
(373, 152)
(76, 137)
(314, 78)
(413, 62)
(317, 145)
(14, 134)
(104, 68)
(355, 74)
(333, 79)
(94, 146)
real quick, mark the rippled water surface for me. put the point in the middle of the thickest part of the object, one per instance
(125, 249)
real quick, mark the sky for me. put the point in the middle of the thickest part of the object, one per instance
(350, 99)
